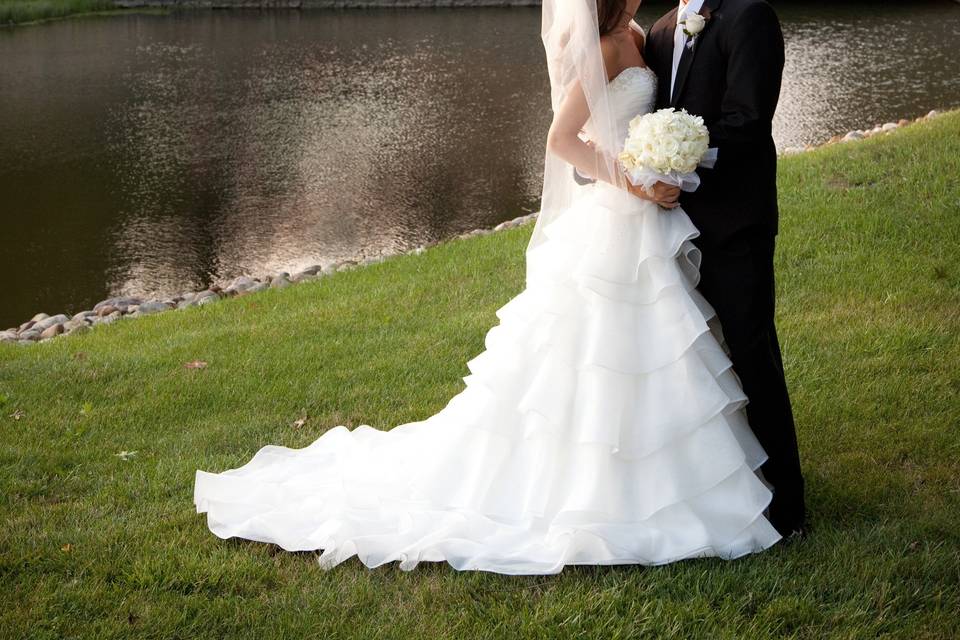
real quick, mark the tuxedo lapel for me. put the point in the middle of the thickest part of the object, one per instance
(660, 46)
(665, 37)
(686, 58)
(661, 36)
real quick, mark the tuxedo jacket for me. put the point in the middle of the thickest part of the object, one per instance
(730, 77)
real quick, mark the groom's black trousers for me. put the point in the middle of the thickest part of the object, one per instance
(736, 278)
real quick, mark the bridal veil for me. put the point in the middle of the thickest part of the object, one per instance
(571, 38)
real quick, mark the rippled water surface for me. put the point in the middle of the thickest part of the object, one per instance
(148, 154)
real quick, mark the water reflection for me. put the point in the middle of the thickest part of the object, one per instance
(316, 149)
(850, 66)
(151, 154)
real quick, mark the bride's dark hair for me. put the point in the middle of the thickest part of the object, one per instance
(609, 13)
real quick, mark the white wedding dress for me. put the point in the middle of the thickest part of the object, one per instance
(603, 423)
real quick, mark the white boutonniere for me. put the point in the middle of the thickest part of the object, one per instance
(692, 26)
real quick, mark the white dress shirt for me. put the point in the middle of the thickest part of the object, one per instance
(679, 37)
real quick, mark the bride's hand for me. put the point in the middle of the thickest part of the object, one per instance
(662, 194)
(666, 195)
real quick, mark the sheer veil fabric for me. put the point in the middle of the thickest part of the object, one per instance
(571, 39)
(603, 423)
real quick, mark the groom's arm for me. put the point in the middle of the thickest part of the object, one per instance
(754, 70)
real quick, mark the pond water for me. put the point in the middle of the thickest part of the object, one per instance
(151, 154)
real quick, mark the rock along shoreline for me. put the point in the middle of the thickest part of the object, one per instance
(43, 327)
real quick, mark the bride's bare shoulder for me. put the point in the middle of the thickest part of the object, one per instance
(610, 50)
(623, 48)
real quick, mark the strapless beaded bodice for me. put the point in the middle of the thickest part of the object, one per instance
(631, 93)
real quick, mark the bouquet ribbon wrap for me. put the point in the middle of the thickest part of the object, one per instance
(646, 178)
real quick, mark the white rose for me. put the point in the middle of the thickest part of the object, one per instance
(674, 163)
(694, 24)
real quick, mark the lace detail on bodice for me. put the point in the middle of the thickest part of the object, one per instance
(632, 71)
(631, 92)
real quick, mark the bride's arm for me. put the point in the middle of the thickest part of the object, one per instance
(589, 161)
(563, 139)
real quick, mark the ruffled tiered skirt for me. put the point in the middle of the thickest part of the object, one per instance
(602, 424)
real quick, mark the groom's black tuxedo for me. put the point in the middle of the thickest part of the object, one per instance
(731, 77)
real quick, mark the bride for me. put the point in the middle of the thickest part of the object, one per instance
(602, 424)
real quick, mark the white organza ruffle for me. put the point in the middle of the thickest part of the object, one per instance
(602, 424)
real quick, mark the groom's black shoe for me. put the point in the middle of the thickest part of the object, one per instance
(792, 524)
(791, 531)
(798, 534)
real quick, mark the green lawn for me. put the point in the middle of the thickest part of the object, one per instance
(22, 11)
(28, 11)
(95, 546)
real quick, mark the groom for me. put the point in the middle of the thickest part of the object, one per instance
(725, 66)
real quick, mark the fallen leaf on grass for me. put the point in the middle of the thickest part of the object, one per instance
(299, 422)
(195, 364)
(16, 415)
(67, 548)
(125, 455)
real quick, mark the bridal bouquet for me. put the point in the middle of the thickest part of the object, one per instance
(666, 146)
